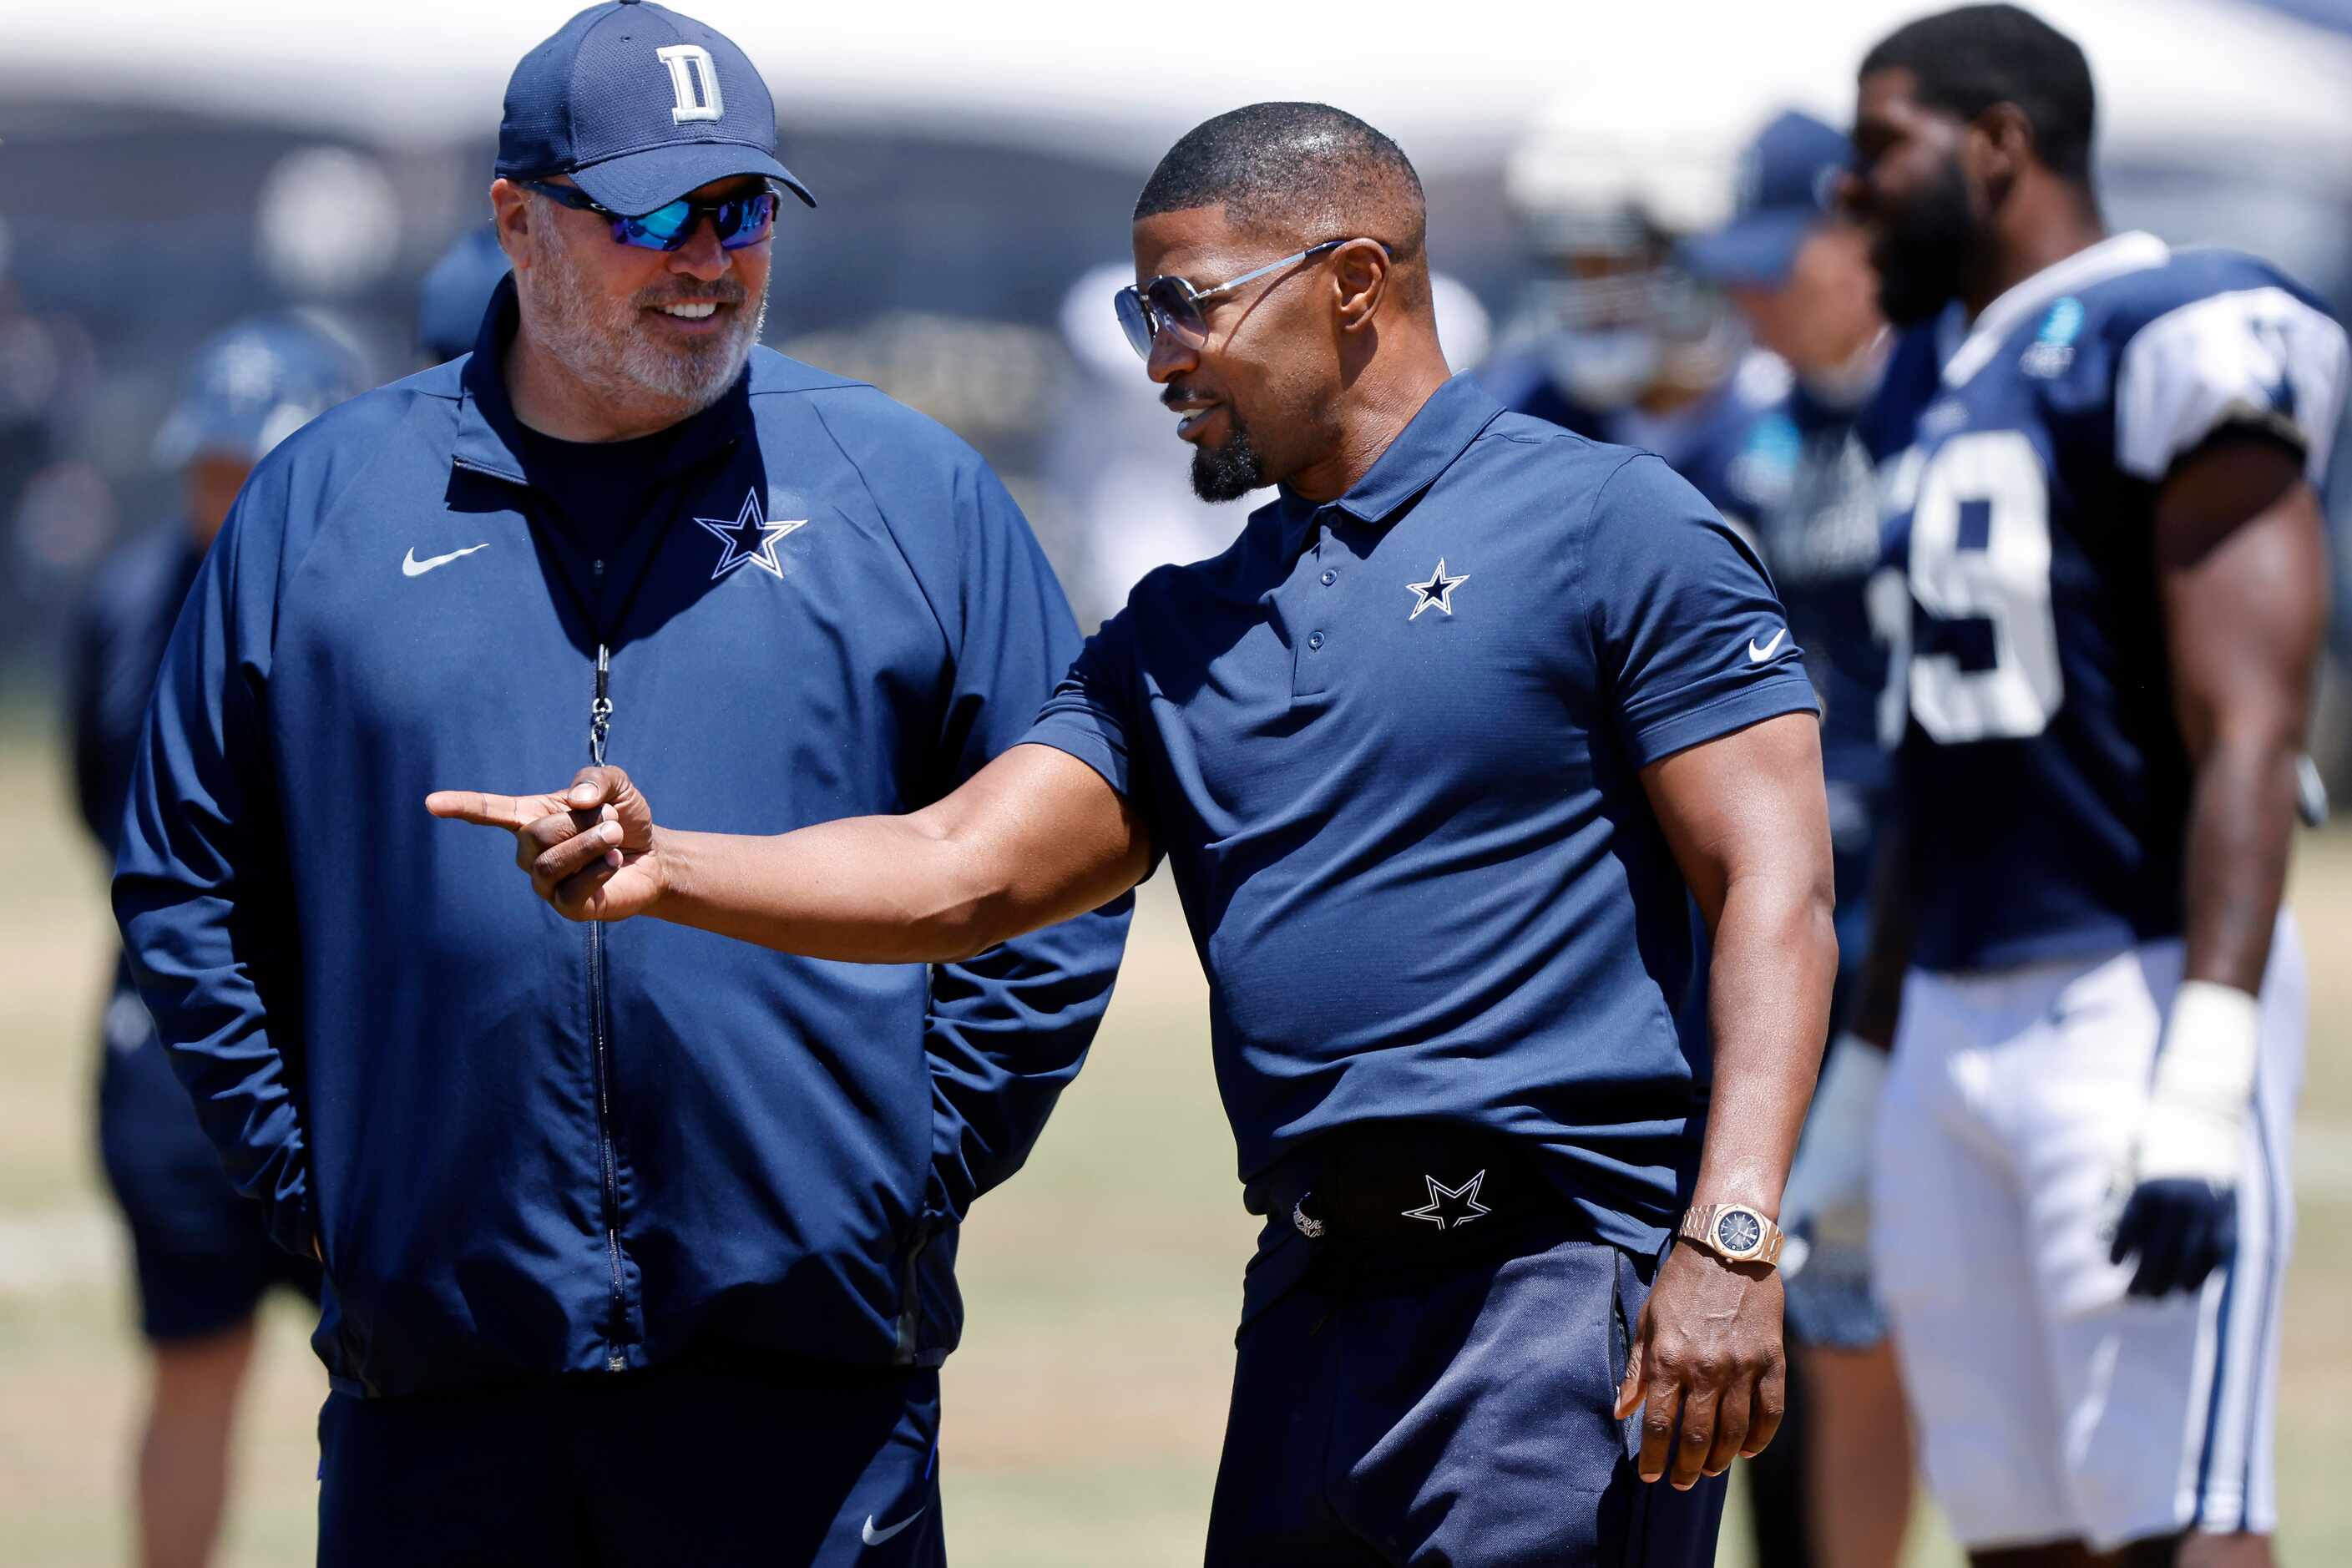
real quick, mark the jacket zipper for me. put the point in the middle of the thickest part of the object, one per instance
(600, 715)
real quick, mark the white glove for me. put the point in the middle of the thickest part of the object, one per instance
(2179, 1190)
(2203, 1097)
(1827, 1199)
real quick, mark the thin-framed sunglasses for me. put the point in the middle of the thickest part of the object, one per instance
(740, 221)
(1173, 304)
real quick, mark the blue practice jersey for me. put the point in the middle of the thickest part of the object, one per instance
(2040, 767)
(1821, 541)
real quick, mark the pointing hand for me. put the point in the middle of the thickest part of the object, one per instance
(592, 851)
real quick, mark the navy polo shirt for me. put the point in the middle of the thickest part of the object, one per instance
(1390, 747)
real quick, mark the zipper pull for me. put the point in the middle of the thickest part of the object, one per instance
(600, 711)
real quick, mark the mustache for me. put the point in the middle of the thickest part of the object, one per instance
(1170, 397)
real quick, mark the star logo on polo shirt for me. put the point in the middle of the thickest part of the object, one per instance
(750, 537)
(1451, 1207)
(1437, 593)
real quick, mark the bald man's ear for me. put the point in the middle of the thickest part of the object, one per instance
(510, 220)
(1362, 274)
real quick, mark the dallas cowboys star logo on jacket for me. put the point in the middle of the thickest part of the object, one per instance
(749, 537)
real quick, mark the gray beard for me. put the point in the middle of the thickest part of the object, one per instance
(603, 345)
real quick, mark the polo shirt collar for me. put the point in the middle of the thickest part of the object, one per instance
(486, 418)
(1440, 432)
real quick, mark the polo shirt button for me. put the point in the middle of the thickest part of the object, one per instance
(1329, 578)
(1315, 640)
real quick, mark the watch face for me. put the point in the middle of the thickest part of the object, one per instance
(1737, 1231)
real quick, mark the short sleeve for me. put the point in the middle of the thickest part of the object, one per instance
(1688, 636)
(1094, 714)
(2263, 358)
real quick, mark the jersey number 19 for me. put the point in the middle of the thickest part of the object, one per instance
(1984, 665)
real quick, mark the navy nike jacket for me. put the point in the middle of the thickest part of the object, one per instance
(529, 1147)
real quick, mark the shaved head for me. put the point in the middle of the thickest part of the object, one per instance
(1302, 232)
(1296, 173)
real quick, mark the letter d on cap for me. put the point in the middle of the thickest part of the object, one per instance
(685, 63)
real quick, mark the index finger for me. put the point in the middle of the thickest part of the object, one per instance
(1695, 1441)
(1661, 1414)
(475, 805)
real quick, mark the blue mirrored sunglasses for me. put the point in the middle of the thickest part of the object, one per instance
(740, 221)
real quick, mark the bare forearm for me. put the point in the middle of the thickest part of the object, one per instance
(1775, 959)
(1029, 840)
(2241, 830)
(866, 890)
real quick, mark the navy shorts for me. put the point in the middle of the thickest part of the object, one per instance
(824, 1465)
(202, 1251)
(1456, 1415)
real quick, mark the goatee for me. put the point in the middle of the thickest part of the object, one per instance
(1228, 472)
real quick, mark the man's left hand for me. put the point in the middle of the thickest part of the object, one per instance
(1706, 1356)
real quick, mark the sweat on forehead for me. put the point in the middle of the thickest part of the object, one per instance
(1290, 167)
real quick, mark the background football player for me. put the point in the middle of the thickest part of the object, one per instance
(1799, 274)
(2104, 602)
(1613, 337)
(203, 1255)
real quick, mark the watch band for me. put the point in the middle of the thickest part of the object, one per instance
(1702, 1227)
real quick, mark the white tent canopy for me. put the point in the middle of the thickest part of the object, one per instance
(2193, 80)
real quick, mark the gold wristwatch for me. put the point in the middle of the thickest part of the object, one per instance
(1733, 1232)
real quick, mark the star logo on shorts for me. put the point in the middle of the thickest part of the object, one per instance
(1437, 593)
(1451, 1207)
(749, 537)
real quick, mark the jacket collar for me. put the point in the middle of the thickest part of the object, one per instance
(486, 418)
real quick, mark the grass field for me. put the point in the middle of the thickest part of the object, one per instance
(1082, 1417)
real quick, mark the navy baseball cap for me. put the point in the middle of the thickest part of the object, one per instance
(1788, 185)
(253, 384)
(639, 105)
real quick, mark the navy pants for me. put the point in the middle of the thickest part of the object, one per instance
(1457, 1416)
(673, 1466)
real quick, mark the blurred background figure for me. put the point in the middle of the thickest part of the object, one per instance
(456, 294)
(1127, 505)
(202, 1257)
(1613, 337)
(1800, 277)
